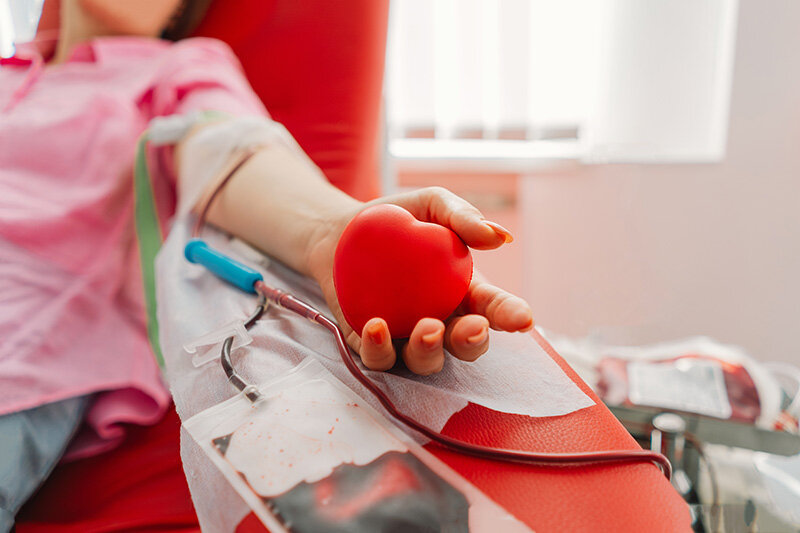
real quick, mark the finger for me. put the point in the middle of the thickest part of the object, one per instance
(377, 352)
(437, 204)
(467, 336)
(423, 353)
(503, 310)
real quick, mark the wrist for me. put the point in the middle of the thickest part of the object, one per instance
(322, 241)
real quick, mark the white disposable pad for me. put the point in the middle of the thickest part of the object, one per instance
(515, 376)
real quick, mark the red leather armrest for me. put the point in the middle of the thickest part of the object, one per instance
(621, 497)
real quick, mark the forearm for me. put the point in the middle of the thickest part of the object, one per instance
(281, 203)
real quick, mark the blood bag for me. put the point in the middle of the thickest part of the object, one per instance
(691, 383)
(310, 455)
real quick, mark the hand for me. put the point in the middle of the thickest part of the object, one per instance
(465, 333)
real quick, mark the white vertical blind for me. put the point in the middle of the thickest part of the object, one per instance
(513, 64)
(487, 67)
(446, 77)
(6, 30)
(411, 72)
(562, 61)
(18, 21)
(618, 79)
(469, 59)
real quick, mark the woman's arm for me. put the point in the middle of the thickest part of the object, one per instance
(281, 202)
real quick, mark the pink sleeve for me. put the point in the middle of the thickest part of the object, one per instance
(202, 74)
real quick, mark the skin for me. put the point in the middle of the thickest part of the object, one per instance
(298, 221)
(82, 20)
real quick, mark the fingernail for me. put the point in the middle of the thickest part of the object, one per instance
(432, 340)
(478, 338)
(524, 317)
(375, 332)
(500, 230)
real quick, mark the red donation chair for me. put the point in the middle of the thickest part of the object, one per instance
(318, 67)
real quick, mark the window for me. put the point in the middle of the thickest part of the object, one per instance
(18, 20)
(525, 80)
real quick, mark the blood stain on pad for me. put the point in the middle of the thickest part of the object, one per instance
(289, 441)
(390, 265)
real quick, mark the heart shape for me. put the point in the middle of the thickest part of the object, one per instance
(390, 265)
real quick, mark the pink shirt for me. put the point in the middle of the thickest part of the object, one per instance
(71, 303)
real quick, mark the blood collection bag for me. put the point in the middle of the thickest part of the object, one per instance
(310, 455)
(690, 382)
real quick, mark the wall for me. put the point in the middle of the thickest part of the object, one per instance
(641, 253)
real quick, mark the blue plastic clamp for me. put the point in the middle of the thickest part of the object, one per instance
(222, 266)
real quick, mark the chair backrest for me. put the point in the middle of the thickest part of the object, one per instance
(318, 67)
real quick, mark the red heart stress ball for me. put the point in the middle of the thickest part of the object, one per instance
(390, 265)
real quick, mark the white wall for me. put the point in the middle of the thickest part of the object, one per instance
(641, 253)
